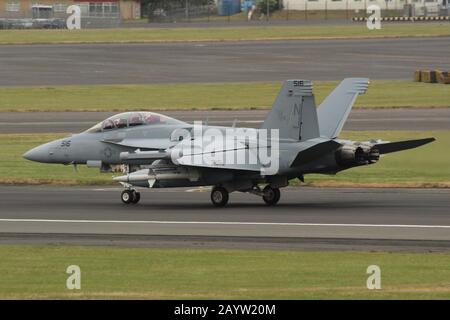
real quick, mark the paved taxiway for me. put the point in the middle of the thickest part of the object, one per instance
(336, 218)
(380, 119)
(220, 61)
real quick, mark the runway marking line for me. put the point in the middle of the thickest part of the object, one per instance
(235, 223)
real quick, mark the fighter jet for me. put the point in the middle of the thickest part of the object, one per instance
(296, 139)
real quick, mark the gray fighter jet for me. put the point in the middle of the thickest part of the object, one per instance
(296, 138)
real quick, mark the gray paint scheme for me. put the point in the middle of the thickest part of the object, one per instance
(307, 144)
(294, 112)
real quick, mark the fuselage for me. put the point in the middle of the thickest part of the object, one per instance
(104, 145)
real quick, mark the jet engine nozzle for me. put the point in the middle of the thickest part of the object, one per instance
(374, 155)
(356, 155)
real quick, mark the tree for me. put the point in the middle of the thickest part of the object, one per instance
(262, 6)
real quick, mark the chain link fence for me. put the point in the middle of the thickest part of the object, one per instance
(178, 13)
(93, 15)
(288, 10)
(239, 12)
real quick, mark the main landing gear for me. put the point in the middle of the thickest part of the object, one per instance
(130, 196)
(270, 195)
(219, 196)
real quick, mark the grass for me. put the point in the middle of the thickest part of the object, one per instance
(249, 95)
(427, 166)
(143, 35)
(38, 272)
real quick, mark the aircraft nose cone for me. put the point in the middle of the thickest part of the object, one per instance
(38, 154)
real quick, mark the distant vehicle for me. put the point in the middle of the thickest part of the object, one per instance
(159, 152)
(42, 18)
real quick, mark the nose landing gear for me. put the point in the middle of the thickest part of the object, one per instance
(130, 196)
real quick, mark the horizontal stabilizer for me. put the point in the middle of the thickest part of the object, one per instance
(315, 152)
(402, 145)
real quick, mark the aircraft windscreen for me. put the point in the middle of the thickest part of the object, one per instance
(132, 119)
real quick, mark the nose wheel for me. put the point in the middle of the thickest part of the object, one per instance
(130, 196)
(219, 196)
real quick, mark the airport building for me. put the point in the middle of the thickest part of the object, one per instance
(430, 5)
(123, 9)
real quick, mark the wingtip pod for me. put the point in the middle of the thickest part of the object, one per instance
(402, 145)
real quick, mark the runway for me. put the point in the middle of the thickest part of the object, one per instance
(85, 64)
(73, 122)
(311, 218)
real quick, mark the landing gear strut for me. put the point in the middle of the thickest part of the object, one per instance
(271, 196)
(130, 196)
(219, 196)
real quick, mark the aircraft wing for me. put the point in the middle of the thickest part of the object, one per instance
(228, 154)
(155, 144)
(143, 157)
(198, 153)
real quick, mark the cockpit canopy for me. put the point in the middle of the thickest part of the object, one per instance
(132, 119)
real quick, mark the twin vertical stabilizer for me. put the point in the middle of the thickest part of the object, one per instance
(294, 111)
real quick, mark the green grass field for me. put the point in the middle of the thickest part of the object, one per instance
(142, 35)
(251, 95)
(421, 167)
(39, 272)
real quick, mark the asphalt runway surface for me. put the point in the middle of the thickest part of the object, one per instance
(306, 218)
(185, 62)
(360, 119)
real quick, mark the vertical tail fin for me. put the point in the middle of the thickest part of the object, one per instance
(294, 112)
(334, 110)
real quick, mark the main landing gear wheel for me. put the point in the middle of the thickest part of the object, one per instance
(219, 196)
(130, 196)
(271, 196)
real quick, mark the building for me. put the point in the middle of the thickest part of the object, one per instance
(358, 4)
(125, 9)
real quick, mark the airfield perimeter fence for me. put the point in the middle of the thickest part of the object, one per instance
(225, 11)
(91, 17)
(207, 11)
